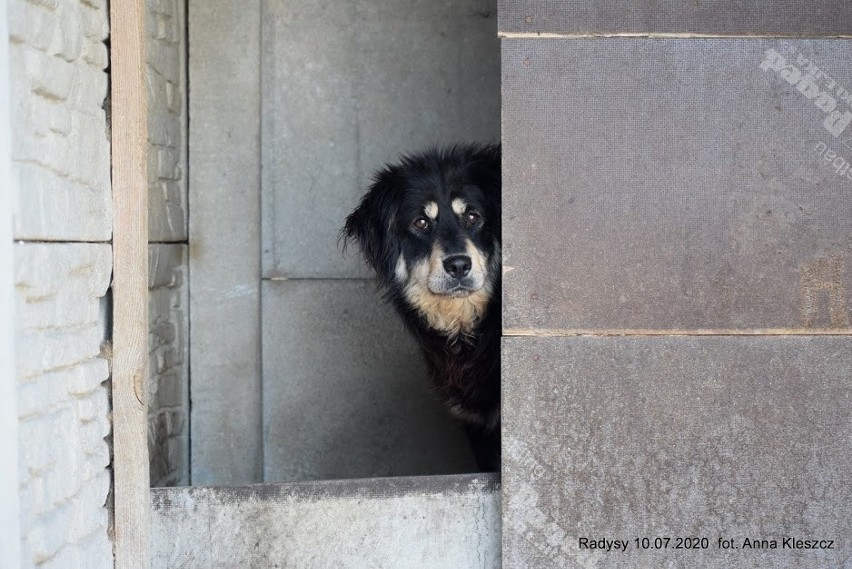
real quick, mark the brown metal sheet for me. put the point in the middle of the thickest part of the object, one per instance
(724, 437)
(677, 185)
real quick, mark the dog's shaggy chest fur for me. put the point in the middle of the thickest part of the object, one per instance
(430, 227)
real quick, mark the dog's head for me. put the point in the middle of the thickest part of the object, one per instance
(430, 227)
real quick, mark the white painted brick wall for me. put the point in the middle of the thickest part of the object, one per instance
(168, 400)
(10, 528)
(63, 404)
(60, 145)
(61, 172)
(166, 120)
(61, 192)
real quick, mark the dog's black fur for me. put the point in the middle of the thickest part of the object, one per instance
(430, 227)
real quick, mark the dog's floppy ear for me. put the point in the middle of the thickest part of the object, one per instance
(371, 224)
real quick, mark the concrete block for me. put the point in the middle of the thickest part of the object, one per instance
(95, 19)
(714, 17)
(432, 78)
(63, 405)
(345, 392)
(96, 53)
(348, 87)
(225, 241)
(43, 213)
(68, 42)
(59, 290)
(42, 270)
(167, 191)
(32, 24)
(632, 437)
(60, 140)
(168, 324)
(698, 185)
(89, 91)
(51, 76)
(441, 522)
(310, 150)
(48, 537)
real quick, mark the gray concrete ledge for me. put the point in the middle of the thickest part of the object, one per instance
(426, 521)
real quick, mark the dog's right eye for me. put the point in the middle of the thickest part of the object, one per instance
(421, 223)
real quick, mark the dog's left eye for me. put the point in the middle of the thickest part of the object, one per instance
(421, 223)
(471, 218)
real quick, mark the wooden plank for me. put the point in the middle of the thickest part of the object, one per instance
(130, 285)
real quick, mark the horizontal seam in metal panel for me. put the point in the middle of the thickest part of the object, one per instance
(552, 333)
(661, 35)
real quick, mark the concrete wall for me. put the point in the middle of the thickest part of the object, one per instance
(677, 240)
(166, 34)
(168, 344)
(10, 527)
(56, 167)
(62, 224)
(440, 522)
(60, 143)
(168, 340)
(345, 88)
(708, 17)
(299, 102)
(63, 402)
(224, 224)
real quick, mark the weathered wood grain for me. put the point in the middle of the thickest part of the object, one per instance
(130, 285)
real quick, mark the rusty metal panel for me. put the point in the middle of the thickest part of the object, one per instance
(671, 185)
(713, 17)
(722, 437)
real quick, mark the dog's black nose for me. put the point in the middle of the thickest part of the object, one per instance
(457, 266)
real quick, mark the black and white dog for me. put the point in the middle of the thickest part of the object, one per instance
(430, 227)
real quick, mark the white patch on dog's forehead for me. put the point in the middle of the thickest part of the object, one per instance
(459, 206)
(431, 210)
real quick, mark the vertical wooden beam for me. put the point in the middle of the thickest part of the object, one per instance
(130, 284)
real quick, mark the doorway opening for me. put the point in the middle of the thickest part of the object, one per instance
(299, 371)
